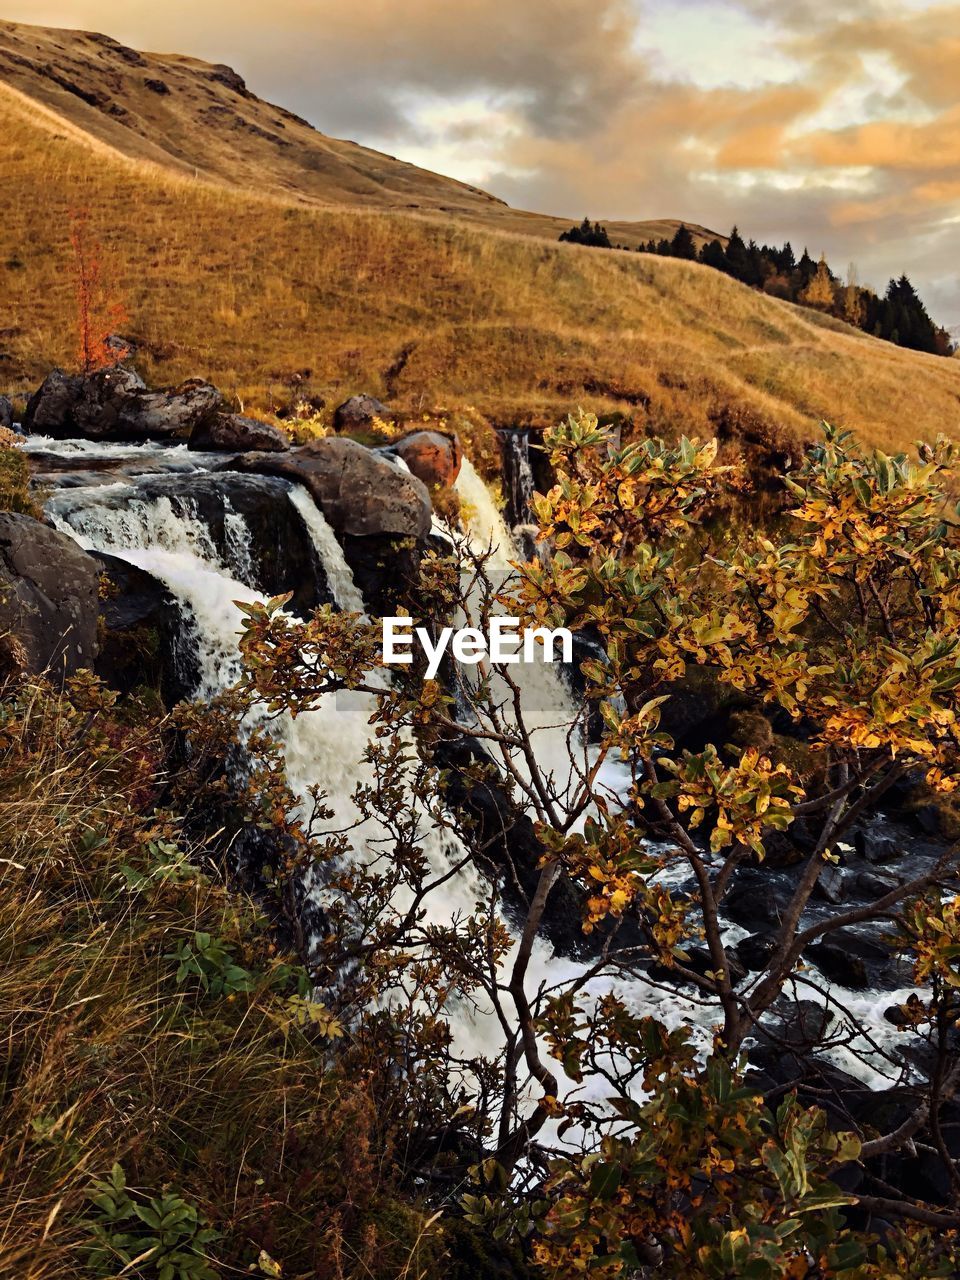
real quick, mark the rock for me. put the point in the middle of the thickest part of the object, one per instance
(48, 599)
(142, 639)
(831, 886)
(159, 87)
(874, 884)
(358, 413)
(876, 848)
(114, 404)
(360, 493)
(754, 951)
(6, 413)
(433, 457)
(50, 408)
(850, 958)
(929, 818)
(699, 709)
(239, 434)
(755, 898)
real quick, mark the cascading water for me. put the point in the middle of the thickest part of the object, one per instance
(325, 747)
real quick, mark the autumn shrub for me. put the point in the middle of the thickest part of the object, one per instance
(841, 623)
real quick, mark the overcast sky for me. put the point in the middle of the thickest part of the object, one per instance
(834, 123)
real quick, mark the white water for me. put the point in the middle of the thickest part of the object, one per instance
(325, 747)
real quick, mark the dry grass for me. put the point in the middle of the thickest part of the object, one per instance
(268, 298)
(107, 1057)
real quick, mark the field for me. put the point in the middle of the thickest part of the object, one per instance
(272, 296)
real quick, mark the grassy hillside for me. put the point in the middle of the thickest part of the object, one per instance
(200, 120)
(263, 296)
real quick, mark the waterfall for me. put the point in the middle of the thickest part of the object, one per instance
(325, 747)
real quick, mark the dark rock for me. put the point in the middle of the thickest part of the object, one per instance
(142, 639)
(358, 413)
(432, 456)
(755, 898)
(699, 709)
(239, 434)
(874, 884)
(754, 951)
(800, 1022)
(831, 885)
(157, 86)
(850, 958)
(48, 599)
(50, 409)
(359, 492)
(114, 404)
(876, 848)
(6, 413)
(225, 75)
(929, 819)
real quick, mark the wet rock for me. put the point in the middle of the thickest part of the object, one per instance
(876, 848)
(114, 404)
(358, 413)
(6, 413)
(432, 456)
(754, 951)
(874, 884)
(48, 599)
(831, 886)
(850, 958)
(756, 898)
(142, 641)
(234, 432)
(359, 492)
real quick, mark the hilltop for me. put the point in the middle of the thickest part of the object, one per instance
(242, 260)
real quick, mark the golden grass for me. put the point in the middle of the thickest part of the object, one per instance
(267, 299)
(107, 1057)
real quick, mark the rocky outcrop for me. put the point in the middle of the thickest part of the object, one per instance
(6, 412)
(233, 432)
(432, 457)
(359, 492)
(114, 404)
(142, 638)
(358, 413)
(48, 599)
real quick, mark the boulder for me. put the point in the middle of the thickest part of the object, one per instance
(831, 885)
(432, 456)
(876, 848)
(48, 599)
(142, 638)
(358, 413)
(238, 434)
(359, 492)
(755, 950)
(114, 404)
(6, 413)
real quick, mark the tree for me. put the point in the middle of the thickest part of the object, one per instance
(98, 316)
(819, 292)
(712, 255)
(682, 245)
(736, 255)
(588, 233)
(847, 626)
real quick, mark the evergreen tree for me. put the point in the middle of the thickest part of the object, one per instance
(736, 256)
(682, 245)
(712, 255)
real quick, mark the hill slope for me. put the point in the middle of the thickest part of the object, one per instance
(268, 297)
(200, 119)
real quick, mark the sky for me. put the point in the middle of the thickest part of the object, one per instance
(832, 123)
